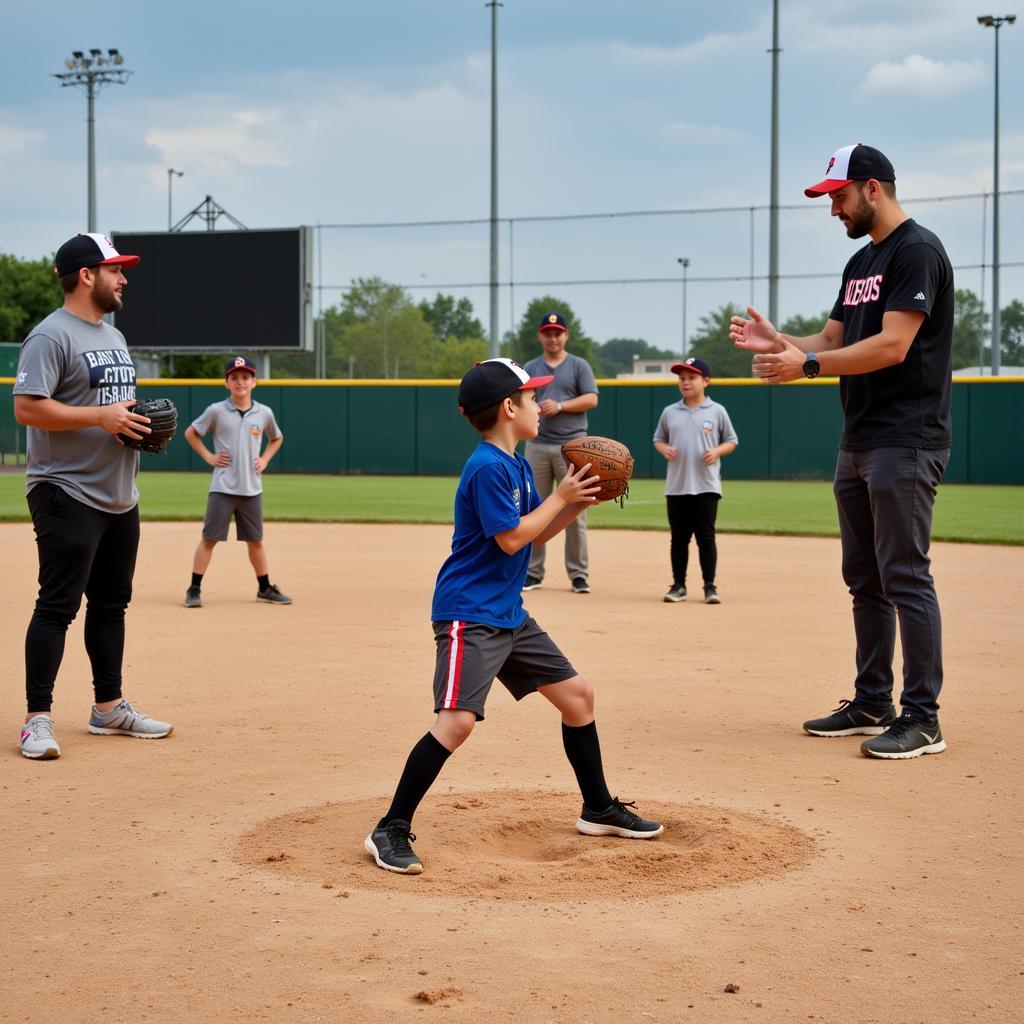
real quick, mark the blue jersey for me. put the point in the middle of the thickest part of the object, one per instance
(478, 581)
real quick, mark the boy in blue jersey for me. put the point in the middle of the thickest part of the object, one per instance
(482, 630)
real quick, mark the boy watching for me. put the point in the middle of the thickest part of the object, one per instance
(693, 434)
(480, 626)
(239, 427)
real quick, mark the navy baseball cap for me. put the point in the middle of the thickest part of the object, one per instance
(553, 322)
(239, 363)
(852, 163)
(693, 365)
(492, 381)
(89, 250)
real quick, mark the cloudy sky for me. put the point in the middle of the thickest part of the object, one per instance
(341, 113)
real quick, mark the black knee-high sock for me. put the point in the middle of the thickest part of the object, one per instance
(423, 766)
(583, 749)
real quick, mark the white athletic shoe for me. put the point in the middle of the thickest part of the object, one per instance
(126, 720)
(37, 739)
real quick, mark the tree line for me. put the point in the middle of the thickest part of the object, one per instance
(377, 330)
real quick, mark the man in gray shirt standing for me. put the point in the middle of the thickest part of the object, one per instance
(564, 404)
(75, 390)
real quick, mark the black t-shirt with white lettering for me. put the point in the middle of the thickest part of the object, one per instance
(907, 404)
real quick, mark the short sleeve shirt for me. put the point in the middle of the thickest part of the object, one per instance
(479, 582)
(240, 433)
(573, 377)
(694, 432)
(907, 404)
(79, 363)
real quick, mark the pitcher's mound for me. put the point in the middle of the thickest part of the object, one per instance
(522, 845)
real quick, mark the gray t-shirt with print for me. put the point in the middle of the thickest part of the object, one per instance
(79, 363)
(573, 377)
(694, 432)
(240, 433)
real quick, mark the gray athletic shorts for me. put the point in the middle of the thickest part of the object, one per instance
(471, 654)
(248, 512)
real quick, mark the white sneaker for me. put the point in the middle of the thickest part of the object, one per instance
(37, 739)
(125, 720)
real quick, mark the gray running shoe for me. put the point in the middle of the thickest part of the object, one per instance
(711, 594)
(272, 595)
(37, 739)
(852, 719)
(617, 820)
(677, 592)
(580, 586)
(388, 844)
(193, 599)
(126, 720)
(906, 737)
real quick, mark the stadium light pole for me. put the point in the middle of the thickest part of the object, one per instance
(171, 175)
(492, 346)
(773, 203)
(996, 22)
(684, 262)
(92, 73)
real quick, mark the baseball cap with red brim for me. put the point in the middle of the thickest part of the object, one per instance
(90, 250)
(852, 163)
(492, 381)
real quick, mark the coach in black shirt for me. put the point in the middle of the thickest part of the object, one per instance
(889, 339)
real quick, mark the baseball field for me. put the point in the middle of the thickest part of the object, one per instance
(219, 876)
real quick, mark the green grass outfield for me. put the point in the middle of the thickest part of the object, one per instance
(963, 512)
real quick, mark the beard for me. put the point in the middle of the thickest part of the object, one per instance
(862, 220)
(104, 297)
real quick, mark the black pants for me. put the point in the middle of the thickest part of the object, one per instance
(81, 551)
(885, 498)
(693, 515)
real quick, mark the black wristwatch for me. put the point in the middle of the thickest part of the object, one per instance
(811, 366)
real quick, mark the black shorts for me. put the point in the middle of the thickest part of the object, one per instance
(247, 510)
(471, 654)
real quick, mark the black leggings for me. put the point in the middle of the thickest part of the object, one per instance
(81, 551)
(693, 515)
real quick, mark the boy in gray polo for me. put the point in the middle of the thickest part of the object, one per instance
(239, 427)
(693, 435)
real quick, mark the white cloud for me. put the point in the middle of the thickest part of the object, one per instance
(15, 142)
(923, 77)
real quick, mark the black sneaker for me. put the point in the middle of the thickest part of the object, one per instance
(852, 719)
(906, 737)
(531, 582)
(388, 844)
(677, 592)
(711, 594)
(193, 598)
(272, 595)
(617, 820)
(580, 586)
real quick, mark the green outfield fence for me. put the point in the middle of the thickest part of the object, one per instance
(412, 427)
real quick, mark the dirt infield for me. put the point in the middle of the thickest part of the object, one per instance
(218, 875)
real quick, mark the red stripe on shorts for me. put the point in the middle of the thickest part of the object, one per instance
(455, 646)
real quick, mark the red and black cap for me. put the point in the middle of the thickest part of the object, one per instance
(693, 365)
(852, 163)
(239, 363)
(90, 250)
(492, 381)
(553, 322)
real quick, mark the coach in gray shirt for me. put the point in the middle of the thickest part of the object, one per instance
(564, 404)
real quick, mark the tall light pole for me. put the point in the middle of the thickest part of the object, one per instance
(492, 347)
(684, 263)
(171, 175)
(92, 73)
(773, 202)
(996, 22)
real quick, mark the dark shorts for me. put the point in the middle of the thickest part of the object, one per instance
(248, 513)
(471, 654)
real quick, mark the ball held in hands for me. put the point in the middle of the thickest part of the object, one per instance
(610, 460)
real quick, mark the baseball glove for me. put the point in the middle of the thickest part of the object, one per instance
(163, 422)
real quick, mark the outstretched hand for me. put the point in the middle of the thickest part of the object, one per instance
(782, 365)
(757, 334)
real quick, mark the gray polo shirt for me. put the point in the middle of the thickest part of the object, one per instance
(694, 432)
(79, 363)
(573, 377)
(240, 434)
